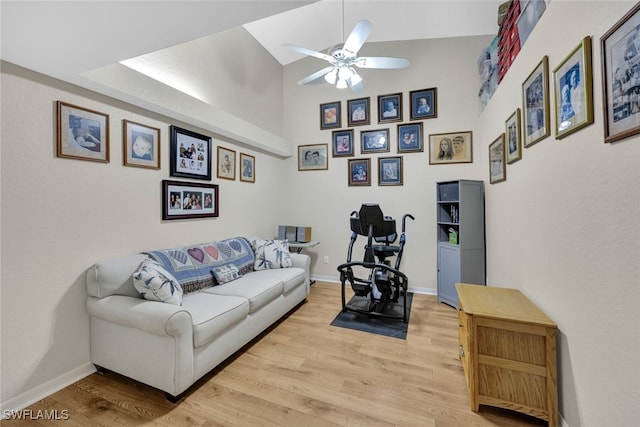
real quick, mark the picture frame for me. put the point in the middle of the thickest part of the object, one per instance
(535, 104)
(374, 141)
(497, 161)
(226, 164)
(513, 136)
(573, 84)
(619, 50)
(82, 134)
(359, 172)
(190, 154)
(453, 147)
(313, 157)
(331, 115)
(358, 112)
(390, 171)
(424, 103)
(140, 145)
(189, 200)
(247, 168)
(390, 108)
(342, 143)
(410, 138)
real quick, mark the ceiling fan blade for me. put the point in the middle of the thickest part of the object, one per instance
(380, 62)
(358, 36)
(318, 75)
(309, 52)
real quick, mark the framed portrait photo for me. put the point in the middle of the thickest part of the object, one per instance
(190, 154)
(513, 134)
(247, 168)
(535, 104)
(140, 145)
(424, 103)
(410, 139)
(359, 172)
(82, 134)
(573, 84)
(497, 165)
(313, 157)
(390, 170)
(226, 163)
(342, 143)
(374, 141)
(390, 108)
(620, 51)
(330, 115)
(358, 112)
(455, 147)
(188, 200)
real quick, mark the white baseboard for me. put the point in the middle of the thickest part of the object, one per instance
(30, 397)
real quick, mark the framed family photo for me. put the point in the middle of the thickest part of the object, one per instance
(82, 134)
(497, 165)
(342, 143)
(514, 137)
(330, 115)
(226, 163)
(410, 138)
(620, 51)
(390, 108)
(358, 112)
(374, 141)
(446, 148)
(247, 168)
(140, 145)
(573, 84)
(390, 170)
(190, 154)
(424, 103)
(359, 172)
(535, 104)
(188, 200)
(312, 157)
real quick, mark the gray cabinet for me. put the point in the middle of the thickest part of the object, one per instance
(460, 235)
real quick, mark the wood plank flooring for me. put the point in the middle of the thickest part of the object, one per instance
(304, 372)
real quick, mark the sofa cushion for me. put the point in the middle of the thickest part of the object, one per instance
(290, 277)
(156, 284)
(213, 314)
(271, 254)
(259, 289)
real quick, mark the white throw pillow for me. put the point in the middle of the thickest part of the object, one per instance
(157, 284)
(271, 254)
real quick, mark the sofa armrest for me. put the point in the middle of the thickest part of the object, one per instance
(301, 261)
(150, 316)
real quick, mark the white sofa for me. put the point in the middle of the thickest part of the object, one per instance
(169, 346)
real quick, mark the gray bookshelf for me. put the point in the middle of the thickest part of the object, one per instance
(460, 206)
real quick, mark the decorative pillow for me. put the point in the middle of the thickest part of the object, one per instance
(157, 284)
(271, 254)
(226, 273)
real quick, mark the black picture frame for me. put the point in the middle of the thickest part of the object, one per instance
(424, 103)
(410, 138)
(358, 112)
(189, 200)
(374, 141)
(342, 143)
(390, 108)
(190, 154)
(331, 115)
(359, 172)
(390, 171)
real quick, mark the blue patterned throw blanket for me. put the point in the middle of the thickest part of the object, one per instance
(192, 266)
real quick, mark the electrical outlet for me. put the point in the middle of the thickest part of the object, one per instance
(326, 259)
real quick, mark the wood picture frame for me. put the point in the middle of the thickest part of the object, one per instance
(497, 161)
(374, 141)
(190, 154)
(313, 157)
(620, 52)
(410, 138)
(390, 108)
(82, 134)
(140, 145)
(359, 172)
(342, 143)
(424, 103)
(226, 164)
(573, 84)
(513, 135)
(358, 112)
(390, 171)
(535, 104)
(189, 200)
(247, 168)
(453, 147)
(331, 115)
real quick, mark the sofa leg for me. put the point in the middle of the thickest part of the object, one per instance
(174, 399)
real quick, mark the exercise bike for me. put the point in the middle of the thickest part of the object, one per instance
(379, 293)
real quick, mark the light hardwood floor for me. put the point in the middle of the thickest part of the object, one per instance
(304, 372)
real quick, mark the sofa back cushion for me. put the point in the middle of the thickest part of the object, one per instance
(114, 277)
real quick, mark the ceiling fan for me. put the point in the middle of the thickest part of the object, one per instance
(343, 59)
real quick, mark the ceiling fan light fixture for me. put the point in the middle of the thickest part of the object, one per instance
(331, 76)
(342, 84)
(355, 77)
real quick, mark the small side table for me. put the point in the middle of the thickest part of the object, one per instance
(299, 246)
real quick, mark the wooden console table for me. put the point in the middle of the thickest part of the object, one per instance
(508, 351)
